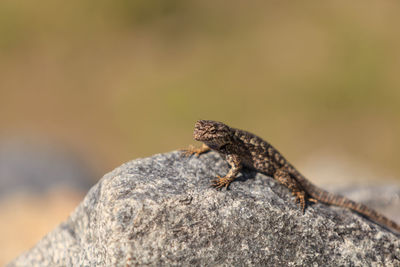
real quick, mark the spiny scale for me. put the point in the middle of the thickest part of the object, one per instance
(241, 148)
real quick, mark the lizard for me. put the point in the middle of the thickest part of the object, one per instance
(244, 149)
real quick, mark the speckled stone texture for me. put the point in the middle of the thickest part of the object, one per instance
(161, 211)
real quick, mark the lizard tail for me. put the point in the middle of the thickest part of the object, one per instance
(341, 201)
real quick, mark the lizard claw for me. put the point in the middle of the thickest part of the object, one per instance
(221, 182)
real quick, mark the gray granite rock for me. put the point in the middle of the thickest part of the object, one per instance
(161, 211)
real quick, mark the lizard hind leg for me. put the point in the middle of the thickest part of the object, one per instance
(284, 178)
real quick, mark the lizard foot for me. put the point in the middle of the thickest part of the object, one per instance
(301, 199)
(196, 151)
(313, 200)
(221, 182)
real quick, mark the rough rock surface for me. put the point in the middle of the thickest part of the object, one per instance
(162, 211)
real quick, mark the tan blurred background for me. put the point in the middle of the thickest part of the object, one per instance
(98, 83)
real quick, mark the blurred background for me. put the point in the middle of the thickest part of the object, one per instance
(88, 85)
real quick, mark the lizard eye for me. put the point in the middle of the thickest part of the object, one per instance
(213, 131)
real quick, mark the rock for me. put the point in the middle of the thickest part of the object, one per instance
(161, 211)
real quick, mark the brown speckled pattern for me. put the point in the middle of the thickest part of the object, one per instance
(241, 148)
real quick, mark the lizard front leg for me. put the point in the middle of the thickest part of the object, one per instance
(197, 151)
(284, 178)
(236, 165)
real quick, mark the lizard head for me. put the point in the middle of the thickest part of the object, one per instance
(213, 133)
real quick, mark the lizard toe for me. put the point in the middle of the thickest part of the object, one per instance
(221, 182)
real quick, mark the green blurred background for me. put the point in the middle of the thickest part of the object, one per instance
(117, 80)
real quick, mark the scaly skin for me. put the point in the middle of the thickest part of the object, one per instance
(241, 148)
